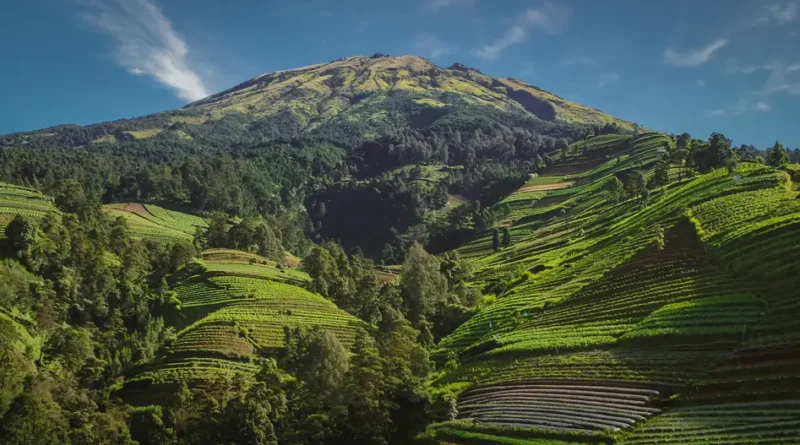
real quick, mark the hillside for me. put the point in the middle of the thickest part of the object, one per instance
(228, 310)
(378, 250)
(288, 142)
(675, 307)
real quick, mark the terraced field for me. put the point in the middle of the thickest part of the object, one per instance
(684, 304)
(151, 221)
(18, 200)
(232, 310)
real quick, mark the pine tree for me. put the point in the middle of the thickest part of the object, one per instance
(495, 240)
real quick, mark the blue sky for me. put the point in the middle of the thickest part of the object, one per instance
(697, 66)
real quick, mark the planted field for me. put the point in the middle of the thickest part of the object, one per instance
(236, 311)
(151, 221)
(694, 290)
(578, 406)
(17, 200)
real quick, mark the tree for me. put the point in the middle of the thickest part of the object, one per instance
(615, 189)
(661, 175)
(365, 396)
(319, 360)
(680, 157)
(495, 239)
(506, 237)
(635, 183)
(777, 155)
(422, 284)
(387, 254)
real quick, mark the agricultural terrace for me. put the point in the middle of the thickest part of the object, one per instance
(17, 200)
(152, 221)
(682, 302)
(228, 312)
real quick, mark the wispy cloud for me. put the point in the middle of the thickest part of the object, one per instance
(750, 69)
(607, 79)
(434, 6)
(695, 56)
(780, 13)
(550, 18)
(741, 107)
(782, 79)
(785, 12)
(431, 46)
(146, 44)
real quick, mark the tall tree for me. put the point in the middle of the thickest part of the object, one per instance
(423, 285)
(777, 155)
(506, 237)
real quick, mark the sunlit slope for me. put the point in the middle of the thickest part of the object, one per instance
(682, 310)
(152, 221)
(359, 88)
(227, 312)
(17, 200)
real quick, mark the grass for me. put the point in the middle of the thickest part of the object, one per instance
(694, 291)
(17, 200)
(232, 313)
(152, 221)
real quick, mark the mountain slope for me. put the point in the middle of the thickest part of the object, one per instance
(351, 88)
(373, 94)
(674, 306)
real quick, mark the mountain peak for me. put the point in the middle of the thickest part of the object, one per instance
(346, 87)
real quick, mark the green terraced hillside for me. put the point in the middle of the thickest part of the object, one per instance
(229, 310)
(669, 317)
(152, 221)
(18, 200)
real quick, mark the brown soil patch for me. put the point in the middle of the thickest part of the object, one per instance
(545, 187)
(135, 207)
(384, 277)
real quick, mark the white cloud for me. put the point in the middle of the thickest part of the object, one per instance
(146, 44)
(750, 69)
(434, 6)
(695, 56)
(784, 13)
(607, 79)
(741, 107)
(782, 80)
(430, 46)
(550, 18)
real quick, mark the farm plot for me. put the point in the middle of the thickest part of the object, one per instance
(151, 221)
(17, 200)
(233, 312)
(563, 405)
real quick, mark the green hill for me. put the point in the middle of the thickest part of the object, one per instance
(228, 311)
(18, 200)
(669, 320)
(152, 221)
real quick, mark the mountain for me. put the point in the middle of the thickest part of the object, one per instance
(372, 94)
(357, 89)
(314, 137)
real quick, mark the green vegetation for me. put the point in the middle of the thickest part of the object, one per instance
(381, 251)
(656, 282)
(152, 221)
